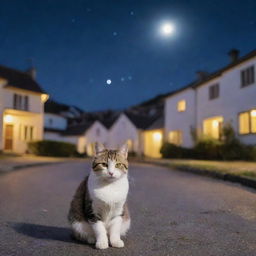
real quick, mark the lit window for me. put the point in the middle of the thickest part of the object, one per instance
(175, 137)
(181, 105)
(244, 123)
(247, 122)
(212, 127)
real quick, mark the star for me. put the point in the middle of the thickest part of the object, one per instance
(73, 20)
(122, 79)
(131, 13)
(130, 78)
(109, 81)
(114, 33)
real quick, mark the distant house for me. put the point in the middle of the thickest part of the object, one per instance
(214, 99)
(21, 109)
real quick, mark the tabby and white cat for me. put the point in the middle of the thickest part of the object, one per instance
(99, 208)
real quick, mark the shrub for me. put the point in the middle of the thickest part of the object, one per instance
(52, 148)
(169, 150)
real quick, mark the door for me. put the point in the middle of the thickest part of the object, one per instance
(8, 143)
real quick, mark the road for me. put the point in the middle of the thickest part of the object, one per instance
(173, 213)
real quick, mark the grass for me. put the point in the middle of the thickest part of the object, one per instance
(240, 168)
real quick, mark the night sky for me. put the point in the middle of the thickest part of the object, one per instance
(78, 45)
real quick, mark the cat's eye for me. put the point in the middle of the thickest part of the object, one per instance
(119, 165)
(104, 164)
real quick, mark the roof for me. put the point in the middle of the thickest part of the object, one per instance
(214, 74)
(54, 107)
(78, 129)
(140, 121)
(19, 79)
(157, 124)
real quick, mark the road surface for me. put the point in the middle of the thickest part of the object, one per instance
(173, 213)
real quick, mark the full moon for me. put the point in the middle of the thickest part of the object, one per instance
(167, 28)
(109, 81)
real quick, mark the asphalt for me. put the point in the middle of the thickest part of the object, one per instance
(173, 213)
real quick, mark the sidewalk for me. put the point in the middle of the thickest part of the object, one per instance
(235, 171)
(10, 163)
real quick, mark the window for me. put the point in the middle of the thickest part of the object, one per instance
(214, 91)
(181, 105)
(247, 76)
(28, 134)
(247, 122)
(175, 137)
(212, 127)
(20, 102)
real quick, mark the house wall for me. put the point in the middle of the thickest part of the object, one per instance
(20, 119)
(122, 131)
(96, 133)
(55, 121)
(182, 121)
(231, 101)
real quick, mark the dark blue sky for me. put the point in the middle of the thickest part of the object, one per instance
(77, 45)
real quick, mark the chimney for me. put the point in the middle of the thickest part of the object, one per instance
(32, 72)
(201, 75)
(233, 54)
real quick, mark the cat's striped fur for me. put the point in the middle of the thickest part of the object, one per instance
(99, 208)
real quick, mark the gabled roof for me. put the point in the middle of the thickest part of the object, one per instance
(215, 74)
(19, 79)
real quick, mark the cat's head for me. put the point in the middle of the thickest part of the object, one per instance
(109, 164)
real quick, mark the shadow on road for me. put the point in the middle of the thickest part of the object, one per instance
(44, 232)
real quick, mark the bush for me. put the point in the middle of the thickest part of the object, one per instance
(52, 148)
(207, 149)
(169, 150)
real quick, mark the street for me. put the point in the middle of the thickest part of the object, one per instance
(173, 213)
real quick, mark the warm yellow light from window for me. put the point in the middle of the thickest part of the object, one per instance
(8, 119)
(253, 113)
(181, 105)
(44, 97)
(157, 136)
(215, 123)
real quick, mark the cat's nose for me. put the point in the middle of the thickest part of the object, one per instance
(111, 173)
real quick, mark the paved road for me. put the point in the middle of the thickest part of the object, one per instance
(173, 213)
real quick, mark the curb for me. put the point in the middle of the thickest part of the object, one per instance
(216, 175)
(22, 166)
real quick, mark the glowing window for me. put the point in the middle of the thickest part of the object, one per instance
(247, 122)
(181, 105)
(212, 127)
(176, 137)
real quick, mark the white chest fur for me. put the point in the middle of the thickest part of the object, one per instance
(108, 198)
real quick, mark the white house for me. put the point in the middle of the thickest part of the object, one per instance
(180, 117)
(124, 130)
(21, 109)
(225, 96)
(85, 135)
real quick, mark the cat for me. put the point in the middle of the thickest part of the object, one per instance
(99, 207)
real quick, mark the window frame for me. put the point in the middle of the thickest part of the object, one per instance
(246, 74)
(250, 122)
(214, 91)
(177, 106)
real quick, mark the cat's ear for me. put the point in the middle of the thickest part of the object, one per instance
(124, 150)
(98, 147)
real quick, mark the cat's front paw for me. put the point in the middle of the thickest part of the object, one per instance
(102, 244)
(117, 243)
(91, 240)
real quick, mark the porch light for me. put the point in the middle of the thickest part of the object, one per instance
(253, 113)
(215, 123)
(8, 119)
(44, 97)
(157, 136)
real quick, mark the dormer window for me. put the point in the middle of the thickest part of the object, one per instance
(181, 106)
(247, 76)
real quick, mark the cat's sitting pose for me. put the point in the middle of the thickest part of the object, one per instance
(99, 208)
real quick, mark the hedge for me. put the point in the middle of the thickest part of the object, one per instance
(52, 148)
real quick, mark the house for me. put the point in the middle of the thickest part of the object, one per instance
(56, 118)
(21, 109)
(214, 99)
(85, 135)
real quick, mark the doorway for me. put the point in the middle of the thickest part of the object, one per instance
(8, 138)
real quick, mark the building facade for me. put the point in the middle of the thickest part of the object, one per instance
(21, 110)
(227, 96)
